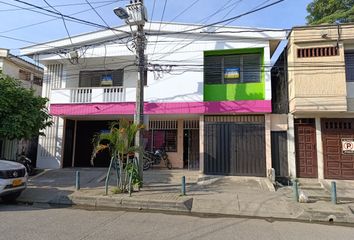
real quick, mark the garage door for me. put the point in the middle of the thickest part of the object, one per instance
(337, 164)
(235, 146)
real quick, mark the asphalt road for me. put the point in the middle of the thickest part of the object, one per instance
(27, 222)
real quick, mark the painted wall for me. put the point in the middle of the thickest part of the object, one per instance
(181, 83)
(239, 91)
(317, 84)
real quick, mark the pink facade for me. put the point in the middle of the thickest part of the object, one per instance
(224, 107)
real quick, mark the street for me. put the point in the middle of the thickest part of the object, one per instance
(28, 222)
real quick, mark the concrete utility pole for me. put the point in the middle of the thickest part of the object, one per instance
(139, 109)
(136, 15)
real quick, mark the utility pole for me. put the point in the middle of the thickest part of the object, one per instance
(139, 108)
(136, 15)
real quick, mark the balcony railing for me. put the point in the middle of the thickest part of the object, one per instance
(92, 95)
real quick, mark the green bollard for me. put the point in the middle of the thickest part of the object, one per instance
(77, 182)
(334, 192)
(295, 190)
(183, 189)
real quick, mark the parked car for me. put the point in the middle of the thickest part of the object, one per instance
(13, 180)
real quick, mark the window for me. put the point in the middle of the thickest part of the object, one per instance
(349, 66)
(317, 52)
(161, 139)
(101, 78)
(237, 68)
(24, 75)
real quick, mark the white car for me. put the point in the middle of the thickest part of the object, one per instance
(13, 180)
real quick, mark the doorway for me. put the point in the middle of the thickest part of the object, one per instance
(191, 149)
(305, 148)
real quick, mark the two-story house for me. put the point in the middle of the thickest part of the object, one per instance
(30, 76)
(315, 76)
(207, 95)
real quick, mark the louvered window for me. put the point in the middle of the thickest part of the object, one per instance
(317, 52)
(237, 68)
(349, 66)
(101, 78)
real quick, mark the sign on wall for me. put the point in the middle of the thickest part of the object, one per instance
(348, 145)
(231, 73)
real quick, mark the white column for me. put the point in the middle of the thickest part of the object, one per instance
(201, 144)
(268, 153)
(291, 147)
(319, 147)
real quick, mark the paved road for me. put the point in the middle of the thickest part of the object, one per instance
(25, 222)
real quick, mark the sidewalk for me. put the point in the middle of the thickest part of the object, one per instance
(218, 196)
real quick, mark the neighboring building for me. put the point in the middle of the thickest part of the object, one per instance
(31, 76)
(315, 75)
(208, 96)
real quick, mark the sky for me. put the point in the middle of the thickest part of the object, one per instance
(35, 27)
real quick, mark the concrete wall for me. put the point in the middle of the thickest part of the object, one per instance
(318, 84)
(177, 84)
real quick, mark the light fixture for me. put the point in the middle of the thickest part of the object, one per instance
(121, 13)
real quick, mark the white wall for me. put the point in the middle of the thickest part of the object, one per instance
(183, 83)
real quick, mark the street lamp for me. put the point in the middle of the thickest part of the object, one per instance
(121, 13)
(136, 15)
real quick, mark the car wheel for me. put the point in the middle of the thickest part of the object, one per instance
(11, 197)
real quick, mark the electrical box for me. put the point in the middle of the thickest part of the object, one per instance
(138, 13)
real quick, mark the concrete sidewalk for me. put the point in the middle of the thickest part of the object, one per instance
(233, 196)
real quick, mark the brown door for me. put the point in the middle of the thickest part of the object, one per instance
(305, 147)
(338, 164)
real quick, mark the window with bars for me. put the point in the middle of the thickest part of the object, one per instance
(236, 68)
(161, 139)
(349, 66)
(101, 78)
(317, 52)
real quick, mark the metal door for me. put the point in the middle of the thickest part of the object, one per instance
(280, 153)
(234, 149)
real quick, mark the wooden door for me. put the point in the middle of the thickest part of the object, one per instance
(337, 164)
(305, 148)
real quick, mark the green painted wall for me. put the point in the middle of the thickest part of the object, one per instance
(237, 91)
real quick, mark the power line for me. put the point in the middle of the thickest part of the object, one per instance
(78, 20)
(62, 17)
(61, 5)
(163, 14)
(51, 20)
(185, 10)
(219, 22)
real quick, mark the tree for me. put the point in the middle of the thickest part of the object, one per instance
(120, 143)
(23, 115)
(330, 11)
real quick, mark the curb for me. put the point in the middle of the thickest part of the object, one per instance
(182, 207)
(98, 202)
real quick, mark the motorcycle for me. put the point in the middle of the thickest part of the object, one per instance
(26, 162)
(155, 158)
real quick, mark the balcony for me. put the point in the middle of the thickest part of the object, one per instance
(92, 95)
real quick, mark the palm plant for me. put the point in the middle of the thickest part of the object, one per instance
(121, 143)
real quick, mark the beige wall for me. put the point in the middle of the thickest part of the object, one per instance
(279, 122)
(318, 83)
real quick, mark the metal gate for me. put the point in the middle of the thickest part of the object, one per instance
(235, 146)
(337, 164)
(280, 153)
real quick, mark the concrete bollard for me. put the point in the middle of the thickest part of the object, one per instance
(334, 192)
(77, 180)
(183, 187)
(295, 190)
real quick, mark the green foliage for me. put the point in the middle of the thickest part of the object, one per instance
(330, 11)
(22, 114)
(121, 144)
